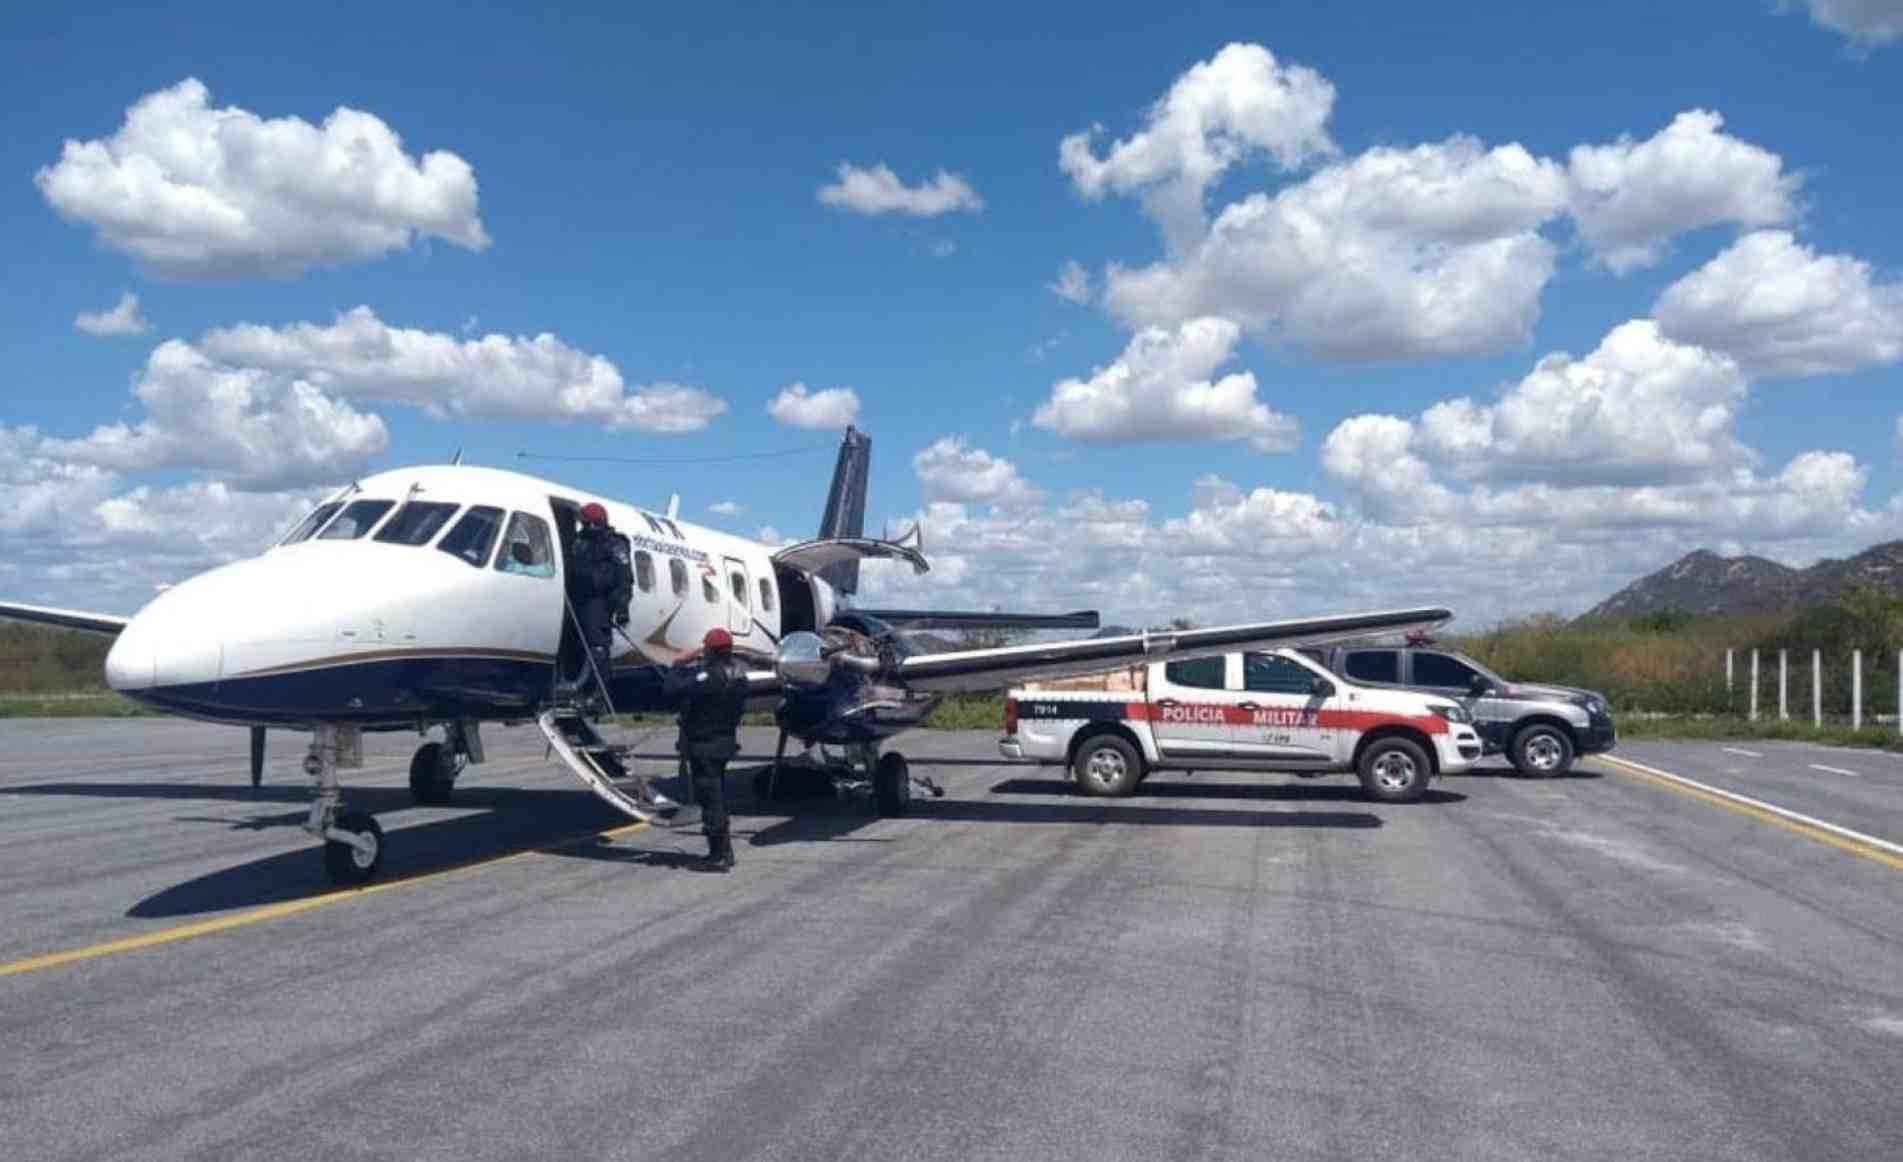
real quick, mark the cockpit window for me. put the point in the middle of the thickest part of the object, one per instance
(358, 518)
(416, 523)
(312, 523)
(473, 535)
(527, 549)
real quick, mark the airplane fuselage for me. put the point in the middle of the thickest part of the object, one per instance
(386, 619)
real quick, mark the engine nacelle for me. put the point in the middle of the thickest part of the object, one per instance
(801, 661)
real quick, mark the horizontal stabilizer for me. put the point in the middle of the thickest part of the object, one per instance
(104, 623)
(950, 619)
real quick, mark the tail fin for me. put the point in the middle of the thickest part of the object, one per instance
(845, 514)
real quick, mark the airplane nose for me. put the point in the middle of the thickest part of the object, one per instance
(169, 643)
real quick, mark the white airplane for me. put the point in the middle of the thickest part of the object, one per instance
(433, 598)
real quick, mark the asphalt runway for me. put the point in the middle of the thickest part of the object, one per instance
(1234, 966)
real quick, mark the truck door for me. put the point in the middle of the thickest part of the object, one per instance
(1193, 707)
(1283, 700)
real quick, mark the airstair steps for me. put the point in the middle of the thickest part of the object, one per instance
(598, 765)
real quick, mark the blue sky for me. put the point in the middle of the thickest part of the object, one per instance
(648, 181)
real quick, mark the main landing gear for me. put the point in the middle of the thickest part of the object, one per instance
(353, 842)
(859, 770)
(437, 765)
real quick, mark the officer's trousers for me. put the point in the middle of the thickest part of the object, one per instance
(709, 776)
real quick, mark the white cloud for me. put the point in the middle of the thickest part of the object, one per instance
(195, 192)
(1780, 308)
(1240, 102)
(1868, 23)
(1638, 408)
(726, 508)
(826, 409)
(1163, 387)
(1073, 283)
(122, 318)
(261, 430)
(1630, 198)
(492, 377)
(1397, 253)
(878, 190)
(948, 470)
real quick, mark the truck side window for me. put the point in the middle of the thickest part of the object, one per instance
(1198, 673)
(1373, 665)
(1441, 670)
(1269, 674)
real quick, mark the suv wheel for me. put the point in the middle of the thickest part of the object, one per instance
(1541, 751)
(1106, 764)
(1394, 770)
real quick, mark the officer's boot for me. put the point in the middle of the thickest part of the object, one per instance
(719, 853)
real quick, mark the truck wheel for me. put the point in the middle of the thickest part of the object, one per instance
(1541, 751)
(1394, 770)
(1107, 765)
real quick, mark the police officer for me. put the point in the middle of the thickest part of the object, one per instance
(711, 688)
(600, 585)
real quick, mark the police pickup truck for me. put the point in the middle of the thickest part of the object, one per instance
(1274, 711)
(1540, 728)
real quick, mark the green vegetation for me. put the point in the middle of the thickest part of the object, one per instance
(38, 659)
(1744, 730)
(107, 705)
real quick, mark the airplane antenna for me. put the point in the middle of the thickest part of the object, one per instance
(673, 506)
(456, 460)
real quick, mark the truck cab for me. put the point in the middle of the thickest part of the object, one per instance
(1540, 728)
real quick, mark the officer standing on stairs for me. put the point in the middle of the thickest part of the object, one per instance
(600, 585)
(711, 688)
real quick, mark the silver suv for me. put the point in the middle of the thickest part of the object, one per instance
(1540, 728)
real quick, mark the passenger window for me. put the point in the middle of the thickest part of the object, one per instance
(311, 523)
(358, 518)
(527, 549)
(1441, 670)
(677, 575)
(644, 571)
(739, 582)
(1373, 665)
(1272, 674)
(1198, 673)
(471, 537)
(708, 589)
(416, 523)
(766, 595)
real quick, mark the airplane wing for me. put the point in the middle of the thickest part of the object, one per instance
(104, 623)
(990, 669)
(950, 619)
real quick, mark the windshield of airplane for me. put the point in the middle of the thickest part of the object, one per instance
(416, 523)
(358, 518)
(312, 523)
(473, 536)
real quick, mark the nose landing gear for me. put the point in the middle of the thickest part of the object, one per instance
(353, 842)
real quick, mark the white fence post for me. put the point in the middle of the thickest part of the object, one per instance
(1728, 679)
(1899, 691)
(1783, 685)
(1817, 689)
(1754, 685)
(1856, 689)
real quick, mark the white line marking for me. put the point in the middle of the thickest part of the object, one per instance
(1750, 754)
(1773, 808)
(1832, 770)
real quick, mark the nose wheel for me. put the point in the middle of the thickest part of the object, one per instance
(353, 851)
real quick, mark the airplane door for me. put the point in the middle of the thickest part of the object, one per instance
(1284, 706)
(739, 602)
(1193, 708)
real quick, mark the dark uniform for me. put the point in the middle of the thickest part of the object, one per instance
(600, 585)
(712, 694)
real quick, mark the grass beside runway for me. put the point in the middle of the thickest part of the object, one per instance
(103, 704)
(1714, 728)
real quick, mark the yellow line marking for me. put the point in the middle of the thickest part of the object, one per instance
(1842, 838)
(289, 907)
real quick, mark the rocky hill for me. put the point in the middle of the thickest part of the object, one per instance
(1702, 582)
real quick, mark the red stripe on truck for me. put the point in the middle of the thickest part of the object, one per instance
(1229, 714)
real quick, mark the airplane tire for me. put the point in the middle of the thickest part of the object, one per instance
(892, 785)
(432, 775)
(1394, 770)
(1107, 765)
(344, 862)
